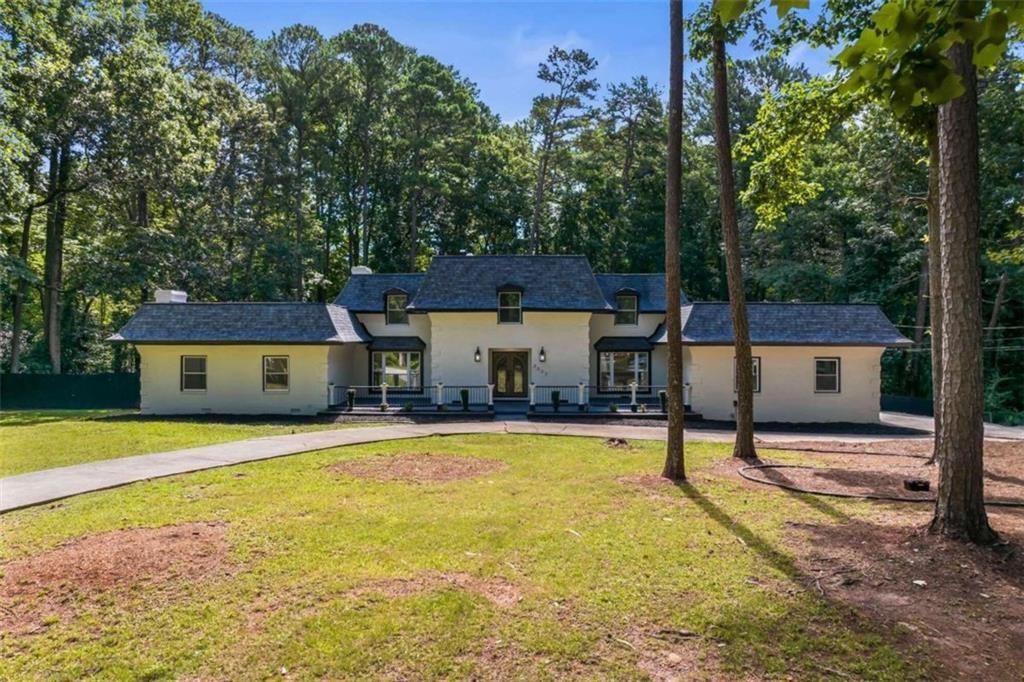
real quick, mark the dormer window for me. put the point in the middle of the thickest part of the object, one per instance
(510, 307)
(396, 312)
(626, 308)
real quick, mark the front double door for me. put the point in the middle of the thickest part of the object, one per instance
(509, 373)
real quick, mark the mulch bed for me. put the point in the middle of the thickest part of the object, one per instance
(417, 467)
(55, 584)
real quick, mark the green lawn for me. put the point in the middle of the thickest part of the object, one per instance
(602, 567)
(43, 439)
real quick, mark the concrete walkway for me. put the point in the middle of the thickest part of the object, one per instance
(39, 487)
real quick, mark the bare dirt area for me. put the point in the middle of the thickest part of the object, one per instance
(880, 468)
(417, 467)
(964, 605)
(53, 585)
(497, 591)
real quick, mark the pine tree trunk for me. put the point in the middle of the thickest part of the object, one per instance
(675, 468)
(53, 264)
(959, 504)
(413, 227)
(538, 199)
(18, 312)
(935, 284)
(744, 446)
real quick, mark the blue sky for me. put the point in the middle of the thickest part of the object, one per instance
(498, 45)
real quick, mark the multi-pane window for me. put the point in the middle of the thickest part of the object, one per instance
(397, 369)
(510, 307)
(756, 367)
(621, 368)
(826, 375)
(625, 309)
(193, 372)
(397, 314)
(275, 372)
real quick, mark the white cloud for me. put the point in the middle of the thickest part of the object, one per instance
(528, 49)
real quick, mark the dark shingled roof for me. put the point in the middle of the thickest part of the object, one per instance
(623, 343)
(397, 343)
(472, 283)
(789, 324)
(365, 293)
(650, 287)
(285, 323)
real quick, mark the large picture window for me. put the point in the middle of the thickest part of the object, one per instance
(193, 372)
(626, 309)
(756, 362)
(397, 314)
(397, 369)
(510, 307)
(621, 368)
(826, 375)
(275, 372)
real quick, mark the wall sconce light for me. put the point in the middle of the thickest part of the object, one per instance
(542, 356)
(476, 355)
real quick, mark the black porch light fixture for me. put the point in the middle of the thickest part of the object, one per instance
(542, 356)
(476, 355)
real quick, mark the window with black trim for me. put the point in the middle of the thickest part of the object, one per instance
(618, 369)
(275, 373)
(397, 369)
(755, 367)
(626, 309)
(397, 314)
(193, 372)
(510, 307)
(826, 375)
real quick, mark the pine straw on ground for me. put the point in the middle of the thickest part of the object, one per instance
(417, 467)
(56, 584)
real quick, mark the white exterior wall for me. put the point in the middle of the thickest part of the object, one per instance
(787, 384)
(234, 380)
(604, 325)
(565, 337)
(358, 372)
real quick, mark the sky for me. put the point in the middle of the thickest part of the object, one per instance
(498, 45)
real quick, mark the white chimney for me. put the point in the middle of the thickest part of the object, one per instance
(361, 270)
(170, 296)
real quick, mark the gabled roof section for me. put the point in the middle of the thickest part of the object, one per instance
(649, 288)
(242, 323)
(789, 324)
(469, 283)
(365, 293)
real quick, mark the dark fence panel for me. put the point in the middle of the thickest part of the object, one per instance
(906, 403)
(68, 391)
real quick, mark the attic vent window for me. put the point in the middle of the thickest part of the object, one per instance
(397, 313)
(626, 309)
(510, 307)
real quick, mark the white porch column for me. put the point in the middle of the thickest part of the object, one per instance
(383, 394)
(581, 398)
(533, 396)
(687, 388)
(439, 394)
(490, 396)
(632, 395)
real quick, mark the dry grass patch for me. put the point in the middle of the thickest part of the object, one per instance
(53, 585)
(417, 467)
(497, 591)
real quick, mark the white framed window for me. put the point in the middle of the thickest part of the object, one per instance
(396, 312)
(397, 369)
(275, 373)
(626, 309)
(826, 375)
(510, 307)
(193, 372)
(618, 369)
(756, 367)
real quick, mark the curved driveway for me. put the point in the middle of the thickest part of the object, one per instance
(39, 487)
